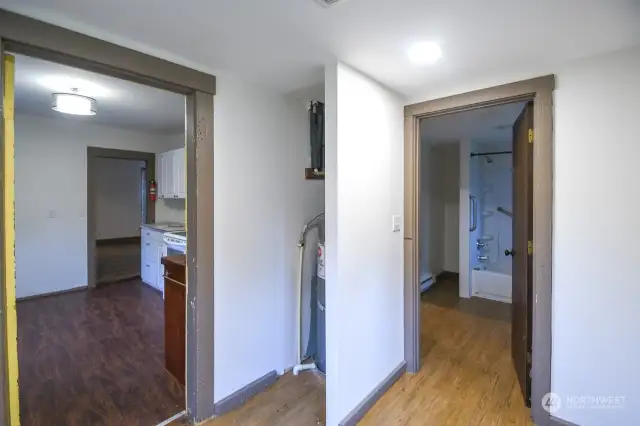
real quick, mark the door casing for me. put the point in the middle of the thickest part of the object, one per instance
(23, 35)
(540, 91)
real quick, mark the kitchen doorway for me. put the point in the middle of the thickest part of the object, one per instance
(34, 38)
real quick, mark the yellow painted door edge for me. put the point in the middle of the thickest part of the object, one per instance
(9, 241)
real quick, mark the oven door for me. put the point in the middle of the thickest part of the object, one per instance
(175, 249)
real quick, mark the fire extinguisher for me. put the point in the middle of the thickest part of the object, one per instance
(153, 190)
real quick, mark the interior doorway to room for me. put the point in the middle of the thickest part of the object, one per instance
(454, 320)
(469, 178)
(91, 326)
(38, 39)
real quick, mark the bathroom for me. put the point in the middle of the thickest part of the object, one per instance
(466, 201)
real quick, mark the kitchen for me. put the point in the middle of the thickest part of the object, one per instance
(163, 255)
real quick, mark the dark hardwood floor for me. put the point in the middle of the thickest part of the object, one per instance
(95, 357)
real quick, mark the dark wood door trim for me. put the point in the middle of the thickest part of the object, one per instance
(539, 91)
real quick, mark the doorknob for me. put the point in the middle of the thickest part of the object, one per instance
(509, 252)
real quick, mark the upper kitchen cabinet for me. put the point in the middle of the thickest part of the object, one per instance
(179, 173)
(170, 170)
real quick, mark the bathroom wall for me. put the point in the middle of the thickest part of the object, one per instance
(496, 190)
(439, 208)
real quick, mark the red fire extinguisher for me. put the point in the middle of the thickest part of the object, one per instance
(153, 190)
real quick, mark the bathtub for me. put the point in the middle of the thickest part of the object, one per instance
(491, 285)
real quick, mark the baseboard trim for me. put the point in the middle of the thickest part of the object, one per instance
(53, 293)
(369, 401)
(555, 421)
(241, 396)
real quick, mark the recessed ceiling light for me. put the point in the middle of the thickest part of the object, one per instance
(72, 103)
(425, 53)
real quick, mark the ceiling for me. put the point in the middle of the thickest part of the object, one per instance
(491, 126)
(120, 103)
(284, 44)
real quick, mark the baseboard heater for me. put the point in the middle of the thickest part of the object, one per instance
(426, 282)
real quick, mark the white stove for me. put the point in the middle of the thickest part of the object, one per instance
(176, 242)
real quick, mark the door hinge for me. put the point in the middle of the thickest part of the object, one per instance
(530, 247)
(530, 135)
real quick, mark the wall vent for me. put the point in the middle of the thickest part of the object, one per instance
(327, 3)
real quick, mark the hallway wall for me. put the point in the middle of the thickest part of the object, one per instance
(365, 314)
(261, 202)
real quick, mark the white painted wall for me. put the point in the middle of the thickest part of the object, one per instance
(261, 203)
(468, 187)
(170, 210)
(439, 214)
(450, 186)
(118, 197)
(51, 180)
(365, 258)
(595, 226)
(596, 341)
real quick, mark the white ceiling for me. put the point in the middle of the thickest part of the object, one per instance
(120, 103)
(285, 43)
(489, 126)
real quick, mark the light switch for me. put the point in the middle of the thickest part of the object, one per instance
(52, 214)
(396, 223)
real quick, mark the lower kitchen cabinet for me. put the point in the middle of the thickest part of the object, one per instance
(153, 249)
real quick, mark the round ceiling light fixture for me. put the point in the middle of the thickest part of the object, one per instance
(73, 103)
(425, 53)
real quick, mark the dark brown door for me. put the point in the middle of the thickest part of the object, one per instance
(521, 292)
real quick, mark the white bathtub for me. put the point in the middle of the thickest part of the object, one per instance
(491, 285)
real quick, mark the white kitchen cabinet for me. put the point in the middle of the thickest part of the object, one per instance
(170, 173)
(179, 173)
(153, 249)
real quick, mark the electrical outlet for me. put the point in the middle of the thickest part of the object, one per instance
(395, 219)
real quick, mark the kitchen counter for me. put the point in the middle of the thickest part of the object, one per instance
(178, 260)
(164, 226)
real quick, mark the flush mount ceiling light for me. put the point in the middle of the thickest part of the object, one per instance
(73, 103)
(425, 53)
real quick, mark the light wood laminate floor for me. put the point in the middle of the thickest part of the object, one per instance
(466, 379)
(291, 401)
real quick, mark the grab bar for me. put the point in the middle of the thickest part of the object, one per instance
(505, 211)
(474, 215)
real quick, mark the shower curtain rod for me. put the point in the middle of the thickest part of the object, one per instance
(476, 154)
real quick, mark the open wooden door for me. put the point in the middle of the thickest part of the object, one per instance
(522, 284)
